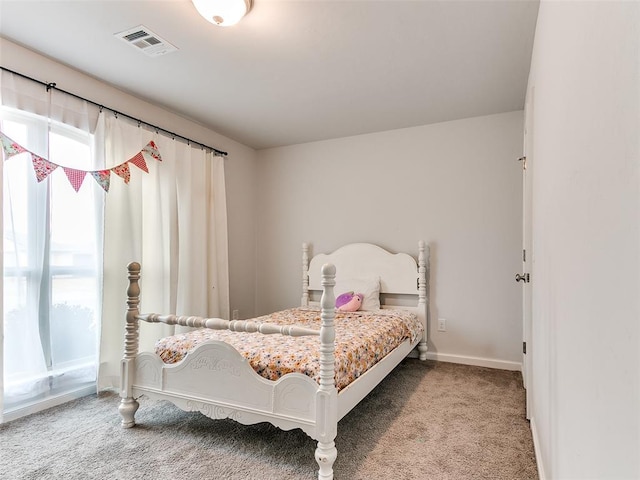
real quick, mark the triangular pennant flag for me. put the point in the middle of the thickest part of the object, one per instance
(139, 162)
(152, 150)
(76, 177)
(42, 167)
(103, 177)
(123, 171)
(10, 147)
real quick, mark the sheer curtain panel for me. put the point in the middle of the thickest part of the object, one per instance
(65, 254)
(171, 220)
(52, 259)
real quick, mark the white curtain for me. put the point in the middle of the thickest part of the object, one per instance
(24, 205)
(27, 96)
(171, 220)
(52, 247)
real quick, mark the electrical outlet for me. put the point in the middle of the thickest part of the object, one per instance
(235, 315)
(442, 324)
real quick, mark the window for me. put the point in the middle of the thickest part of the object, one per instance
(52, 262)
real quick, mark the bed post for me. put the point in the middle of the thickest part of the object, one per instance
(128, 404)
(305, 275)
(327, 396)
(423, 258)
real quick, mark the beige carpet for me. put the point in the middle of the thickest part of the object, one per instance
(427, 420)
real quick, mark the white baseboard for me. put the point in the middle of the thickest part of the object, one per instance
(536, 449)
(476, 361)
(52, 401)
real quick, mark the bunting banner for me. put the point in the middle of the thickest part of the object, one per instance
(43, 167)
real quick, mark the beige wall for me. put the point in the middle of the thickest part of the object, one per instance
(456, 185)
(584, 92)
(239, 166)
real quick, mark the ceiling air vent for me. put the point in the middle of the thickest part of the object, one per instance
(146, 41)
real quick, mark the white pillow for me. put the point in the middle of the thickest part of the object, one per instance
(368, 286)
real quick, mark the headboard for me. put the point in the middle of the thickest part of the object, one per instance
(399, 273)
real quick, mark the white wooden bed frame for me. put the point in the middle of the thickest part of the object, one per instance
(217, 381)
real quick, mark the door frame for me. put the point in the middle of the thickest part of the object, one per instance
(527, 251)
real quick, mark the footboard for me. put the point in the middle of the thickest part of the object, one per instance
(219, 382)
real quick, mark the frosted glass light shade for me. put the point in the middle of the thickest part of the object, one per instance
(223, 12)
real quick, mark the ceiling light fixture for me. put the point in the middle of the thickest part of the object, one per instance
(223, 12)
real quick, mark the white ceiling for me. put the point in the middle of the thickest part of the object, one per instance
(298, 71)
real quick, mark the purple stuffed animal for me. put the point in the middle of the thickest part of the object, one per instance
(349, 302)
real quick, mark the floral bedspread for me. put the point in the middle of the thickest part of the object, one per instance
(362, 338)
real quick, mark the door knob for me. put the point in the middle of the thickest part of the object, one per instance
(522, 278)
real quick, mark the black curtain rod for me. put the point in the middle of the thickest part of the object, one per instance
(51, 85)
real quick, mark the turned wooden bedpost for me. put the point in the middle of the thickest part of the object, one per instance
(327, 396)
(305, 275)
(423, 258)
(128, 404)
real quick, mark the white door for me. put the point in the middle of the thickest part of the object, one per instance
(527, 251)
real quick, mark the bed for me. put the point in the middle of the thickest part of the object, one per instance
(222, 368)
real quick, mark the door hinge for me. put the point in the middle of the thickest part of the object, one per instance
(524, 255)
(524, 348)
(523, 159)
